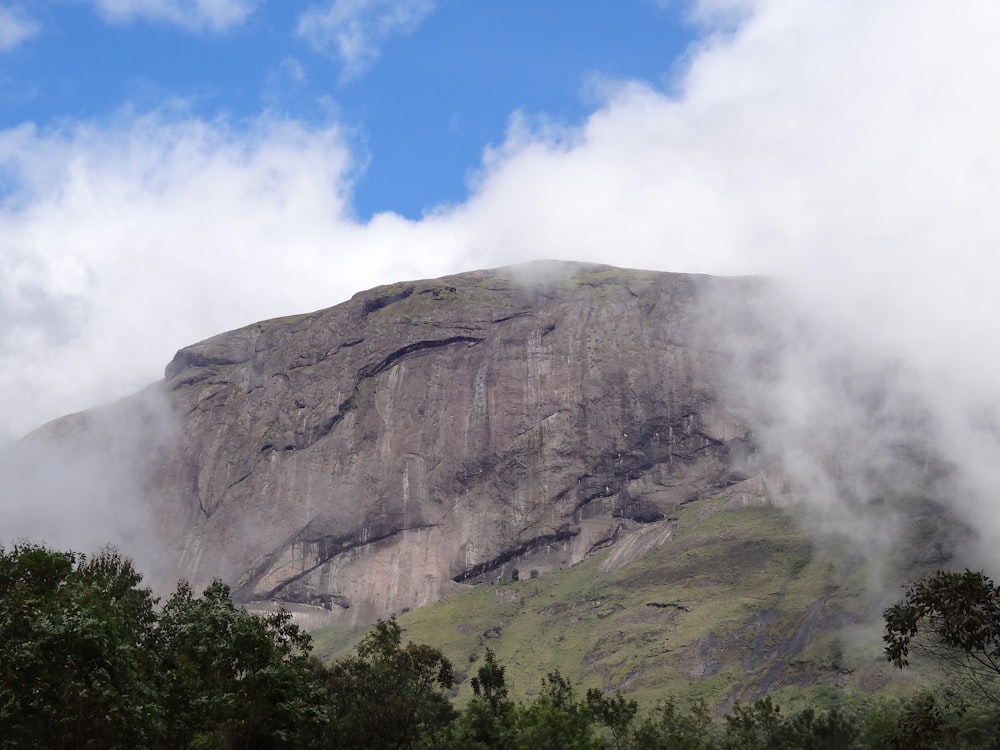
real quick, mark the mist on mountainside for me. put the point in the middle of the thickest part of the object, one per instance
(863, 434)
(81, 483)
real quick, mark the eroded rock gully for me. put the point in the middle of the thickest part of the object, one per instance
(424, 436)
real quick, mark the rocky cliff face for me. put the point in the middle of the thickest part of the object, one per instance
(424, 436)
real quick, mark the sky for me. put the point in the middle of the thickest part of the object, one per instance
(417, 88)
(170, 169)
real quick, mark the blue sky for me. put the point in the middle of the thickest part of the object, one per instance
(420, 91)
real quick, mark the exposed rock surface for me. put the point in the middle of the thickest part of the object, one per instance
(383, 453)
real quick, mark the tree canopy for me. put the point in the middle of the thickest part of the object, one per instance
(90, 659)
(953, 618)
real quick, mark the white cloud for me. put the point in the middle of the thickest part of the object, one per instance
(197, 15)
(356, 30)
(848, 147)
(15, 27)
(122, 242)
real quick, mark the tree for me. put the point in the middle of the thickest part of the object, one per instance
(486, 721)
(87, 662)
(389, 695)
(757, 726)
(235, 679)
(555, 719)
(615, 713)
(75, 670)
(953, 618)
(668, 726)
(761, 726)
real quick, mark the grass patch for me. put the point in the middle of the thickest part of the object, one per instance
(737, 604)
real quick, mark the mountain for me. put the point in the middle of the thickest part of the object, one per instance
(552, 460)
(426, 436)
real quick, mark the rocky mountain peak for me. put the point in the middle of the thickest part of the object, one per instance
(425, 436)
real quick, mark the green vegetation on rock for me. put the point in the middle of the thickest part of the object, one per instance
(738, 603)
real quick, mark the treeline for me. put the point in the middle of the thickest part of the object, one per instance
(91, 660)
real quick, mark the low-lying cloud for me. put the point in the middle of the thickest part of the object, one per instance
(847, 149)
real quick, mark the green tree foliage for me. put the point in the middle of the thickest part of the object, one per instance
(757, 726)
(389, 695)
(89, 661)
(953, 618)
(669, 726)
(76, 662)
(486, 721)
(554, 719)
(761, 726)
(615, 713)
(233, 679)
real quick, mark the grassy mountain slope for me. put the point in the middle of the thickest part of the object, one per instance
(735, 604)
